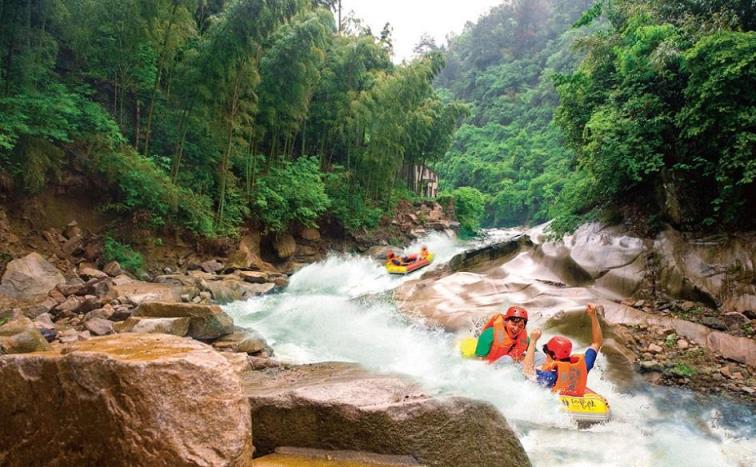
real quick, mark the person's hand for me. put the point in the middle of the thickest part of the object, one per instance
(535, 334)
(590, 310)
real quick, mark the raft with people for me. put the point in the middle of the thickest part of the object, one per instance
(503, 339)
(407, 264)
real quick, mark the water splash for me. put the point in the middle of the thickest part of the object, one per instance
(318, 319)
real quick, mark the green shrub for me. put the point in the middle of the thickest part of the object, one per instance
(291, 192)
(126, 256)
(681, 369)
(347, 203)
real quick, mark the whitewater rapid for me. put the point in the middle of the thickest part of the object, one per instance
(341, 310)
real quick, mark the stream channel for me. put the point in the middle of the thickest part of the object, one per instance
(340, 309)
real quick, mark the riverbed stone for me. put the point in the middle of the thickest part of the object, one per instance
(19, 335)
(30, 277)
(242, 340)
(139, 399)
(342, 406)
(174, 326)
(206, 321)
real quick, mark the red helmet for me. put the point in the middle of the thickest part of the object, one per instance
(516, 312)
(389, 254)
(559, 346)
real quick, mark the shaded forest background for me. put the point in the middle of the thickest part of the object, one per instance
(203, 115)
(607, 109)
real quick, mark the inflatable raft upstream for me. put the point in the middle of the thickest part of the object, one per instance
(588, 409)
(416, 263)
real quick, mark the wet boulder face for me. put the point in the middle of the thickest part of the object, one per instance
(714, 270)
(205, 321)
(30, 277)
(341, 406)
(123, 400)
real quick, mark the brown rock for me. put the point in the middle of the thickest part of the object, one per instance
(19, 335)
(72, 230)
(254, 277)
(73, 245)
(212, 266)
(285, 246)
(174, 326)
(99, 326)
(654, 348)
(88, 272)
(206, 321)
(310, 234)
(682, 344)
(113, 269)
(244, 340)
(341, 406)
(124, 400)
(30, 277)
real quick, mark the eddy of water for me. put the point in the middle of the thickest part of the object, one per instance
(339, 310)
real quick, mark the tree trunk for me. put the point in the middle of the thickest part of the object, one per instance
(156, 84)
(179, 152)
(234, 104)
(136, 125)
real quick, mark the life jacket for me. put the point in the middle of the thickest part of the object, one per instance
(572, 376)
(503, 344)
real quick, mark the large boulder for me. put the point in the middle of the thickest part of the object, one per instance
(138, 399)
(341, 406)
(30, 277)
(205, 321)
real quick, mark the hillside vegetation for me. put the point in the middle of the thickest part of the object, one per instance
(584, 109)
(205, 114)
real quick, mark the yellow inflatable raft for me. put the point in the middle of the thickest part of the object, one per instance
(418, 263)
(586, 410)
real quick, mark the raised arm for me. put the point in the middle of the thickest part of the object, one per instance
(596, 336)
(528, 363)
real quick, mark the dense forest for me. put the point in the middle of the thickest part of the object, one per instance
(205, 114)
(583, 109)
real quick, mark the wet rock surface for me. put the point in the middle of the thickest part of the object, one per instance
(342, 406)
(123, 400)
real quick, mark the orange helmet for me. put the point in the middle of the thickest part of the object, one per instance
(516, 312)
(389, 254)
(560, 347)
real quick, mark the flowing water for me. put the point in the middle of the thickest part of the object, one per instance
(338, 310)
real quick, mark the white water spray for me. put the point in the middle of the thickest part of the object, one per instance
(318, 318)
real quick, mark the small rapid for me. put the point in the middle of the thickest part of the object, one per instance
(340, 310)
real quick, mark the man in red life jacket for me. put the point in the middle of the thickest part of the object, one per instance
(563, 372)
(507, 336)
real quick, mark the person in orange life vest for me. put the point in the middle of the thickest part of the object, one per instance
(563, 372)
(393, 259)
(424, 252)
(510, 339)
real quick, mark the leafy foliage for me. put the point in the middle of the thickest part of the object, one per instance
(126, 256)
(191, 110)
(292, 192)
(469, 204)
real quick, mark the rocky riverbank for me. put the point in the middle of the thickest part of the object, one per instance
(144, 369)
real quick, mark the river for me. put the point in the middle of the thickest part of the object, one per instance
(340, 310)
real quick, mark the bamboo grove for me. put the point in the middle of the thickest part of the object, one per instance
(205, 114)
